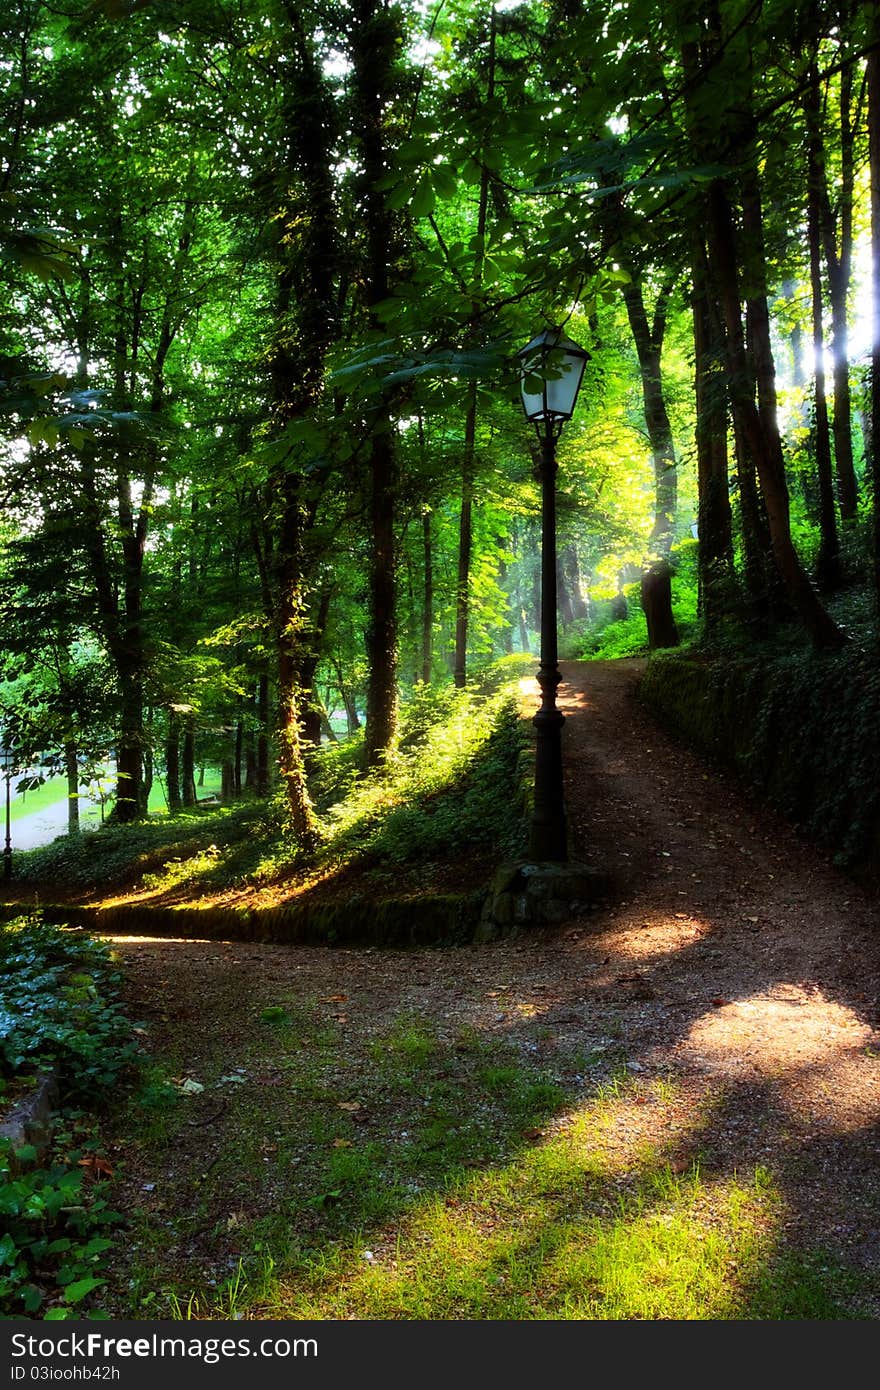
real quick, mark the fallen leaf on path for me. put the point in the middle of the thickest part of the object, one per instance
(333, 999)
(342, 1143)
(96, 1167)
(350, 1105)
(189, 1086)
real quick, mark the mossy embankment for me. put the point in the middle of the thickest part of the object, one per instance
(801, 730)
(405, 855)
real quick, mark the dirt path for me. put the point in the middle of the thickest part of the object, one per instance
(733, 960)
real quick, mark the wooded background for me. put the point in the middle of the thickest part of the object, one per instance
(265, 267)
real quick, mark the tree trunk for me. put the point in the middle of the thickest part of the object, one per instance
(839, 265)
(760, 432)
(428, 605)
(563, 597)
(828, 562)
(874, 164)
(227, 781)
(147, 765)
(250, 762)
(172, 761)
(465, 538)
(188, 764)
(462, 593)
(129, 748)
(715, 553)
(71, 769)
(237, 758)
(580, 609)
(263, 780)
(291, 758)
(374, 38)
(310, 647)
(656, 588)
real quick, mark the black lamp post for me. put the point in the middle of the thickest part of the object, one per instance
(7, 756)
(551, 369)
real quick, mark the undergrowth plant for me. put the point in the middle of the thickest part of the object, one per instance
(59, 1015)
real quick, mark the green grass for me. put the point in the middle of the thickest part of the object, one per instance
(53, 792)
(447, 1177)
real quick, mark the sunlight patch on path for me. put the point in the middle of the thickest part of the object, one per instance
(808, 1044)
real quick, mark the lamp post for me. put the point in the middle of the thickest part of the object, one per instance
(6, 756)
(551, 371)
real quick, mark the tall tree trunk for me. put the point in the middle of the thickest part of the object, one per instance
(839, 265)
(250, 761)
(828, 562)
(874, 164)
(580, 609)
(263, 782)
(656, 585)
(306, 314)
(147, 765)
(237, 757)
(381, 632)
(373, 38)
(760, 431)
(462, 593)
(428, 599)
(465, 536)
(188, 763)
(715, 552)
(172, 761)
(71, 769)
(563, 597)
(310, 646)
(291, 759)
(227, 780)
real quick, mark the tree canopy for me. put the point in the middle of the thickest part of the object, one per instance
(265, 270)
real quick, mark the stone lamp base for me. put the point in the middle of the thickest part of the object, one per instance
(528, 895)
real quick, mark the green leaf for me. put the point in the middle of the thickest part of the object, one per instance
(444, 180)
(399, 196)
(423, 199)
(75, 1293)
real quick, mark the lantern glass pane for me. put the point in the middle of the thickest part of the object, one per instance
(552, 368)
(533, 402)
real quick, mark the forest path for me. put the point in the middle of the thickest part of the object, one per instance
(734, 963)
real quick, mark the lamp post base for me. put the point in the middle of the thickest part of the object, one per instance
(540, 894)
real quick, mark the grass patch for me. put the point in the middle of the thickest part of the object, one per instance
(446, 1176)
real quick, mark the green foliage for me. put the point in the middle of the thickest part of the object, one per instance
(453, 785)
(116, 852)
(623, 637)
(58, 1009)
(50, 1223)
(58, 1013)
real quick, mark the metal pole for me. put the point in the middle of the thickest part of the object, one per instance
(548, 840)
(7, 852)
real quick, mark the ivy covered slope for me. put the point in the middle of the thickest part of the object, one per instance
(59, 1018)
(435, 819)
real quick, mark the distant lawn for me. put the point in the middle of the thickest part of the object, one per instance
(53, 793)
